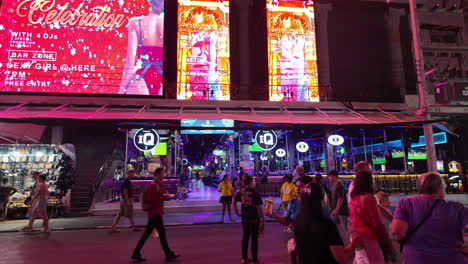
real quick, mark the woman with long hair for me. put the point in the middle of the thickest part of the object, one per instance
(143, 69)
(317, 237)
(225, 188)
(366, 222)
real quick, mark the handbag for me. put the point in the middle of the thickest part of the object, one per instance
(410, 233)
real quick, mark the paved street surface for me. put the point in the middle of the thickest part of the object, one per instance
(207, 244)
(92, 222)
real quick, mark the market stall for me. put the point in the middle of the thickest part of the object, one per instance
(17, 164)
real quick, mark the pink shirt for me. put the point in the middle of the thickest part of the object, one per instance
(365, 218)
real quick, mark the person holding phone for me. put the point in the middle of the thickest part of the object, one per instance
(253, 220)
(156, 195)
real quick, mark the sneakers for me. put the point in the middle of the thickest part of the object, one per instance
(137, 258)
(172, 256)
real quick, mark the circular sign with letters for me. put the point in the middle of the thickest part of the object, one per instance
(266, 139)
(280, 153)
(302, 147)
(335, 140)
(146, 139)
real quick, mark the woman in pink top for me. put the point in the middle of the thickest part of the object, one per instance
(366, 222)
(39, 204)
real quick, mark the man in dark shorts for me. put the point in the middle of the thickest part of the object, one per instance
(253, 220)
(126, 202)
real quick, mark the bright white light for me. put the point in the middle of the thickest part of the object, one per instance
(302, 147)
(280, 153)
(335, 140)
(39, 154)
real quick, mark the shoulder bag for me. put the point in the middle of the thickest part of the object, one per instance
(411, 232)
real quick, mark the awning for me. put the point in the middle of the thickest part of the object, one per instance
(332, 113)
(20, 133)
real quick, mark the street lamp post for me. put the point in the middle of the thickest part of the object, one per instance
(422, 91)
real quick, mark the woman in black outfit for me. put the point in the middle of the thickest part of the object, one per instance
(317, 237)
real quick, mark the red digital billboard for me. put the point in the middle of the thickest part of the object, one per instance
(82, 46)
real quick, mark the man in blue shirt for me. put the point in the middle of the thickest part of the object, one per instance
(292, 211)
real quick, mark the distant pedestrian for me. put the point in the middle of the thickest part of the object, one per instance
(366, 223)
(234, 175)
(297, 173)
(240, 182)
(264, 178)
(287, 192)
(153, 199)
(339, 205)
(126, 202)
(253, 220)
(38, 204)
(225, 188)
(6, 191)
(431, 227)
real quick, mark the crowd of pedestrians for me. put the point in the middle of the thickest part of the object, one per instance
(327, 223)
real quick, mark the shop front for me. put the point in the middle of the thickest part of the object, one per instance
(202, 151)
(17, 164)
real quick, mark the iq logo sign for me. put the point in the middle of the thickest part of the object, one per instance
(266, 139)
(146, 139)
(280, 153)
(335, 140)
(302, 147)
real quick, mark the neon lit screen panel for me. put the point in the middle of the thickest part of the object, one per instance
(203, 69)
(292, 51)
(82, 46)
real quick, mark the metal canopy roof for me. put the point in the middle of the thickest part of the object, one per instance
(95, 108)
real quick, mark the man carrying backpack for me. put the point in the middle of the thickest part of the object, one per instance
(152, 202)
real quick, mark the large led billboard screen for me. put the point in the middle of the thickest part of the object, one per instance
(82, 46)
(203, 68)
(292, 52)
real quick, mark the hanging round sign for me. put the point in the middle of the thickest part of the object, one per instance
(302, 147)
(335, 140)
(146, 139)
(454, 166)
(280, 153)
(266, 139)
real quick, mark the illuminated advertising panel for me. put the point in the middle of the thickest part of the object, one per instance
(292, 52)
(203, 70)
(82, 46)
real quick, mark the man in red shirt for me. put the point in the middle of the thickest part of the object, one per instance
(155, 197)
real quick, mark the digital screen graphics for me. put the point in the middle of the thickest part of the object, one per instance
(292, 51)
(203, 69)
(82, 46)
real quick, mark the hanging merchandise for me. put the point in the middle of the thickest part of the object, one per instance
(17, 164)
